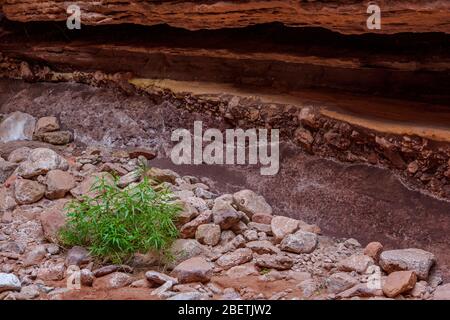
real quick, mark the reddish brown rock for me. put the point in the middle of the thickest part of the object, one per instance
(28, 191)
(235, 258)
(399, 282)
(46, 124)
(282, 226)
(59, 183)
(348, 17)
(373, 250)
(196, 269)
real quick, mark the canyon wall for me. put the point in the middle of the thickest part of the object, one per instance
(345, 16)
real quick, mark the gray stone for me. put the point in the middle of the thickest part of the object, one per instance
(299, 242)
(235, 258)
(9, 282)
(339, 282)
(249, 202)
(416, 260)
(41, 161)
(17, 126)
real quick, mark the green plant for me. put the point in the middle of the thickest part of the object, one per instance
(116, 223)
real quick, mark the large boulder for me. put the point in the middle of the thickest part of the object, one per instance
(41, 161)
(58, 184)
(17, 126)
(28, 191)
(417, 260)
(299, 242)
(196, 269)
(249, 202)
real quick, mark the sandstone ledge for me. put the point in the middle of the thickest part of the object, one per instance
(347, 17)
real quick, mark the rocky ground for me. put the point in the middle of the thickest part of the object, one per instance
(231, 246)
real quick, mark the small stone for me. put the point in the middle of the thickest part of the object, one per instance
(86, 277)
(208, 234)
(277, 262)
(260, 227)
(225, 215)
(243, 270)
(129, 178)
(189, 296)
(235, 258)
(262, 247)
(59, 183)
(35, 256)
(441, 292)
(77, 256)
(57, 138)
(339, 282)
(138, 152)
(398, 282)
(19, 155)
(6, 170)
(189, 229)
(7, 201)
(299, 242)
(249, 202)
(53, 219)
(105, 270)
(162, 175)
(28, 191)
(157, 278)
(184, 249)
(46, 124)
(51, 271)
(114, 280)
(283, 226)
(356, 262)
(262, 218)
(374, 250)
(196, 269)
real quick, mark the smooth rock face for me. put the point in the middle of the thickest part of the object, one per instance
(59, 183)
(398, 282)
(349, 18)
(416, 260)
(442, 292)
(17, 126)
(208, 234)
(28, 191)
(340, 281)
(235, 258)
(299, 242)
(41, 161)
(249, 202)
(9, 282)
(282, 226)
(196, 269)
(356, 262)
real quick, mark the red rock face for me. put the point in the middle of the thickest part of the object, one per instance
(347, 17)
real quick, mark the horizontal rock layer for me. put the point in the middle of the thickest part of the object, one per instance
(347, 16)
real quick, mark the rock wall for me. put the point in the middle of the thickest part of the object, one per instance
(345, 16)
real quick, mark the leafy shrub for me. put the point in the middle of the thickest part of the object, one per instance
(117, 223)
